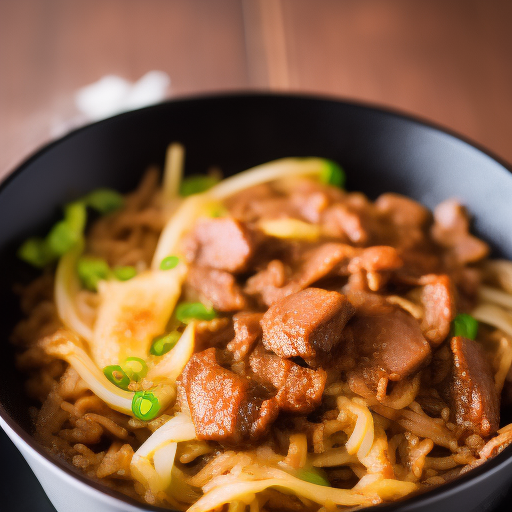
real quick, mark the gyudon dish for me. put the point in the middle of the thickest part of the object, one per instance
(266, 342)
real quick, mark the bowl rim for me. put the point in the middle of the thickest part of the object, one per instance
(73, 475)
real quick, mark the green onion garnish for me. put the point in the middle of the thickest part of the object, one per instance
(91, 270)
(117, 376)
(169, 262)
(163, 344)
(67, 233)
(135, 367)
(314, 476)
(187, 311)
(197, 184)
(465, 325)
(104, 200)
(145, 405)
(333, 174)
(75, 215)
(36, 252)
(124, 273)
(62, 238)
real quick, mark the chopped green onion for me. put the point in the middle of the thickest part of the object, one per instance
(75, 215)
(169, 262)
(465, 325)
(145, 405)
(187, 311)
(117, 376)
(163, 344)
(91, 270)
(104, 200)
(197, 184)
(67, 233)
(136, 368)
(62, 238)
(124, 273)
(36, 252)
(313, 476)
(333, 174)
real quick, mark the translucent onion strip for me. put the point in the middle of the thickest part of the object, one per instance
(361, 439)
(132, 313)
(67, 287)
(173, 171)
(495, 316)
(152, 463)
(63, 345)
(500, 271)
(171, 364)
(488, 294)
(293, 229)
(271, 171)
(179, 428)
(243, 490)
(163, 461)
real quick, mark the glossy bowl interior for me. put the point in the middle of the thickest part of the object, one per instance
(380, 151)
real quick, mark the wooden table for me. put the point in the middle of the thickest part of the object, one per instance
(449, 61)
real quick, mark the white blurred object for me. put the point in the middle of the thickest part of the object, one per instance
(112, 94)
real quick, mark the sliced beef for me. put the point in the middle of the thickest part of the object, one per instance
(298, 389)
(224, 406)
(306, 324)
(311, 198)
(438, 300)
(387, 342)
(222, 243)
(217, 286)
(247, 332)
(319, 263)
(266, 286)
(378, 258)
(451, 230)
(473, 394)
(342, 222)
(277, 280)
(402, 210)
(247, 205)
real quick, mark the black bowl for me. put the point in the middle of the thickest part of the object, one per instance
(380, 151)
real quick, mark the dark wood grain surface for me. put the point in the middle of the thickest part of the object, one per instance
(449, 61)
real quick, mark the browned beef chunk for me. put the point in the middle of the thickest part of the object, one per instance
(311, 198)
(275, 282)
(402, 210)
(299, 389)
(451, 230)
(375, 259)
(217, 286)
(248, 205)
(342, 222)
(266, 286)
(387, 343)
(473, 393)
(247, 333)
(320, 262)
(224, 406)
(306, 324)
(221, 243)
(438, 301)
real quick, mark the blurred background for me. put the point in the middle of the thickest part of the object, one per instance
(449, 61)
